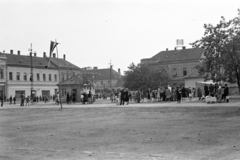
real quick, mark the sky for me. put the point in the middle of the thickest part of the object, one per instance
(97, 32)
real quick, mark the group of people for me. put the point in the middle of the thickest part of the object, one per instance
(220, 92)
(168, 93)
(87, 98)
(71, 98)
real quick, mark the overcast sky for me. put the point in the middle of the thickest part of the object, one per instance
(93, 32)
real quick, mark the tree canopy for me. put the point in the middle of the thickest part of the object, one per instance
(143, 76)
(221, 43)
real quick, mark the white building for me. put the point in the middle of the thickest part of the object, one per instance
(16, 73)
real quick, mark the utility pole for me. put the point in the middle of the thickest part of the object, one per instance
(31, 72)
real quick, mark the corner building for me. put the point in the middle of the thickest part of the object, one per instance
(17, 74)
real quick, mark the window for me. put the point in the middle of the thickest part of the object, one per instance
(50, 77)
(10, 76)
(18, 76)
(1, 74)
(44, 77)
(38, 77)
(62, 77)
(25, 76)
(184, 71)
(174, 72)
(55, 76)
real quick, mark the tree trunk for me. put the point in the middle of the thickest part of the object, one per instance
(238, 79)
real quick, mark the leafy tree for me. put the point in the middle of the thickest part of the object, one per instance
(143, 76)
(221, 45)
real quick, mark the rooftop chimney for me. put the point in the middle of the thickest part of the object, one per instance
(18, 52)
(44, 54)
(166, 49)
(35, 54)
(184, 47)
(64, 57)
(95, 68)
(11, 51)
(54, 55)
(175, 48)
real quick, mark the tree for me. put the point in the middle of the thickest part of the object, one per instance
(143, 76)
(221, 45)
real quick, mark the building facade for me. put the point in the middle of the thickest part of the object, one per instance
(180, 64)
(106, 78)
(28, 74)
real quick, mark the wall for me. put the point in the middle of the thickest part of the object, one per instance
(39, 86)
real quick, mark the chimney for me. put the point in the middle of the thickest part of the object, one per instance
(95, 68)
(64, 57)
(11, 51)
(18, 52)
(54, 55)
(35, 54)
(166, 49)
(44, 54)
(184, 47)
(175, 48)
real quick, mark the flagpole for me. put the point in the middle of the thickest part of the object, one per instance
(60, 88)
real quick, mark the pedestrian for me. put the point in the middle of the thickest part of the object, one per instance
(14, 99)
(22, 99)
(10, 99)
(179, 94)
(226, 93)
(199, 93)
(122, 97)
(219, 94)
(211, 90)
(126, 98)
(89, 97)
(168, 93)
(27, 100)
(73, 98)
(149, 94)
(206, 90)
(2, 99)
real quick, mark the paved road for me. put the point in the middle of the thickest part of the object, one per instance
(106, 103)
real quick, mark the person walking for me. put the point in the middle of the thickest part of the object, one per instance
(73, 98)
(14, 99)
(219, 94)
(126, 98)
(149, 94)
(68, 98)
(2, 99)
(10, 99)
(22, 99)
(122, 97)
(199, 93)
(27, 100)
(226, 93)
(179, 94)
(89, 97)
(211, 90)
(206, 90)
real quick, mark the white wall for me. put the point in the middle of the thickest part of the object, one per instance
(191, 82)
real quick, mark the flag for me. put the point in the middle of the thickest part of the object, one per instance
(52, 47)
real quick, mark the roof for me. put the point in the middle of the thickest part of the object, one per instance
(102, 74)
(179, 55)
(75, 80)
(39, 62)
(120, 82)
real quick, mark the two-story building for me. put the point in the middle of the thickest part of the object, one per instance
(180, 64)
(17, 71)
